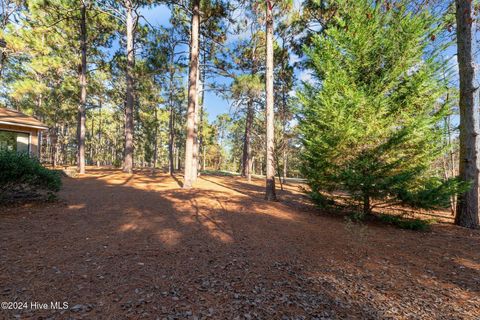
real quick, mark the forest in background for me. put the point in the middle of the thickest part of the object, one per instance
(40, 75)
(116, 90)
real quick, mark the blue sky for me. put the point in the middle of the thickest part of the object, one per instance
(159, 15)
(214, 105)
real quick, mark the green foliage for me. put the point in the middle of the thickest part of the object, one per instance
(220, 173)
(117, 163)
(370, 120)
(403, 223)
(245, 85)
(21, 174)
(321, 200)
(432, 191)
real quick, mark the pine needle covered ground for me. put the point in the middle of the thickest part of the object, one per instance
(122, 246)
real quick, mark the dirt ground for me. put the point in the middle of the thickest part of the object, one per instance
(121, 246)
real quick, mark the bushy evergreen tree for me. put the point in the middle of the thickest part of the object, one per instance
(370, 117)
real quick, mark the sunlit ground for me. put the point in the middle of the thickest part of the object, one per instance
(139, 246)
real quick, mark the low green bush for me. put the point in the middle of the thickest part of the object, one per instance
(404, 223)
(320, 200)
(117, 163)
(23, 177)
(220, 173)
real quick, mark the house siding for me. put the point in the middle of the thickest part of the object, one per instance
(34, 150)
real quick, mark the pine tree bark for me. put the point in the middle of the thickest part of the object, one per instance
(155, 139)
(367, 208)
(83, 90)
(177, 157)
(270, 194)
(201, 147)
(171, 138)
(247, 149)
(3, 44)
(247, 146)
(54, 145)
(92, 130)
(196, 146)
(467, 205)
(192, 95)
(2, 59)
(171, 118)
(129, 105)
(99, 143)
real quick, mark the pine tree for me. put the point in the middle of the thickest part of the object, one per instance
(83, 89)
(192, 95)
(468, 203)
(131, 21)
(245, 89)
(270, 145)
(370, 119)
(9, 9)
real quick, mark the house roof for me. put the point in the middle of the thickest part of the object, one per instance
(17, 118)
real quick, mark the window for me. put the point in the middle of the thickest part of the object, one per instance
(14, 141)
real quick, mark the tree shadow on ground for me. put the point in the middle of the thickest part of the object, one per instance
(137, 246)
(292, 194)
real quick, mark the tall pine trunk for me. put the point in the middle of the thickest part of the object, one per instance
(171, 138)
(201, 147)
(54, 145)
(247, 145)
(83, 90)
(196, 146)
(270, 170)
(155, 139)
(467, 205)
(99, 144)
(92, 130)
(129, 128)
(192, 95)
(2, 59)
(247, 149)
(171, 118)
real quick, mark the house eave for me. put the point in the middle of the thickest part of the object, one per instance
(23, 125)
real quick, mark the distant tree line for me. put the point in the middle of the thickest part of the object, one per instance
(361, 97)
